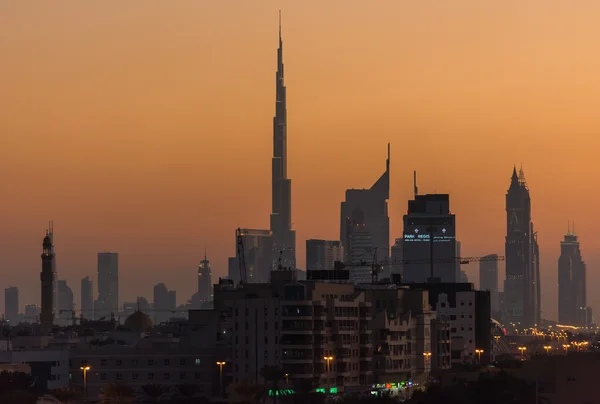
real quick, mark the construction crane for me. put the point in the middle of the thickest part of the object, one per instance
(376, 268)
(241, 258)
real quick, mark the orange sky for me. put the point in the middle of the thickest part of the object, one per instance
(144, 127)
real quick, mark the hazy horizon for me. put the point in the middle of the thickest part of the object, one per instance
(144, 128)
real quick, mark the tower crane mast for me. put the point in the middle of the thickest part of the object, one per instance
(241, 258)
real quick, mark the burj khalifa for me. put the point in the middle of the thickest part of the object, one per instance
(283, 236)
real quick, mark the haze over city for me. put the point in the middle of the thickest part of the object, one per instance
(147, 129)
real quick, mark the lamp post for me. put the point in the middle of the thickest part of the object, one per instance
(522, 349)
(547, 348)
(328, 359)
(287, 380)
(221, 364)
(85, 370)
(566, 348)
(479, 352)
(427, 356)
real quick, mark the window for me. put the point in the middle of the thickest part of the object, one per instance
(134, 362)
(182, 362)
(134, 376)
(103, 362)
(197, 362)
(119, 376)
(102, 376)
(182, 376)
(119, 362)
(150, 362)
(167, 376)
(167, 362)
(197, 375)
(150, 376)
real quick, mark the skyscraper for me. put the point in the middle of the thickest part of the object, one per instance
(322, 254)
(284, 238)
(47, 277)
(108, 284)
(366, 210)
(11, 304)
(522, 286)
(87, 298)
(572, 292)
(430, 240)
(488, 278)
(204, 280)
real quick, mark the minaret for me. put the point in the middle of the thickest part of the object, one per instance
(204, 280)
(47, 278)
(284, 238)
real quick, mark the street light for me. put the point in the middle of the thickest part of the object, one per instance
(328, 359)
(287, 380)
(479, 352)
(547, 348)
(221, 364)
(566, 347)
(522, 349)
(85, 370)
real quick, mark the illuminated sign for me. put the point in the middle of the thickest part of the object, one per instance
(389, 386)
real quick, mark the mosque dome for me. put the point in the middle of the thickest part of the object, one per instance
(139, 321)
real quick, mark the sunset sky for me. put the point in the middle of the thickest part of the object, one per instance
(145, 127)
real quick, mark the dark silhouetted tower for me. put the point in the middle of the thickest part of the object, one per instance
(284, 238)
(488, 279)
(204, 280)
(11, 304)
(572, 291)
(47, 277)
(522, 286)
(108, 284)
(87, 298)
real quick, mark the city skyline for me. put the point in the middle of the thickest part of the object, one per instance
(149, 243)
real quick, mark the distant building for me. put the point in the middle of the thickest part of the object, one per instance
(108, 284)
(463, 277)
(430, 226)
(365, 211)
(32, 313)
(322, 254)
(165, 303)
(488, 279)
(66, 305)
(205, 292)
(11, 304)
(572, 290)
(258, 250)
(397, 257)
(87, 298)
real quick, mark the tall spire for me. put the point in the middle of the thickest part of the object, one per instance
(283, 237)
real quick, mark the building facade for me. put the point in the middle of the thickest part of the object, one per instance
(322, 254)
(257, 255)
(430, 240)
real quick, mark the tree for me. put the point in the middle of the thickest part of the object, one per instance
(117, 393)
(188, 391)
(245, 392)
(153, 391)
(66, 395)
(16, 387)
(273, 375)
